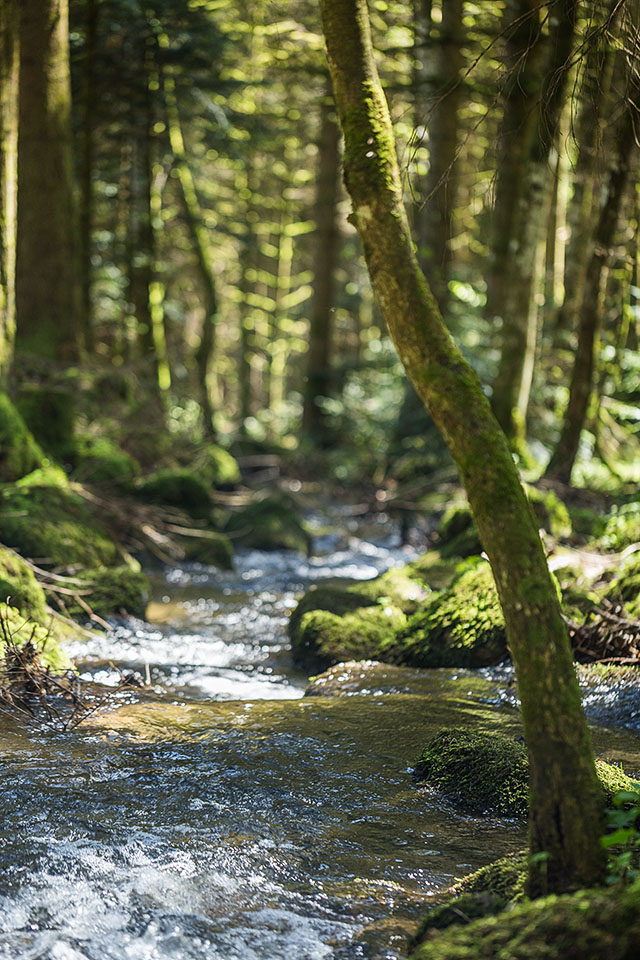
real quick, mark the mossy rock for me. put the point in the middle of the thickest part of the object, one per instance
(464, 909)
(100, 461)
(489, 773)
(623, 527)
(111, 591)
(550, 512)
(332, 624)
(49, 475)
(19, 451)
(462, 627)
(457, 533)
(23, 630)
(433, 570)
(270, 523)
(625, 587)
(55, 527)
(215, 467)
(49, 412)
(209, 548)
(578, 598)
(19, 586)
(478, 772)
(594, 924)
(505, 878)
(177, 487)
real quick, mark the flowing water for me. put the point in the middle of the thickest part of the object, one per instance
(226, 816)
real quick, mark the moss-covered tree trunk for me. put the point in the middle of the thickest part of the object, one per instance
(565, 802)
(318, 382)
(90, 96)
(48, 294)
(535, 97)
(8, 178)
(592, 308)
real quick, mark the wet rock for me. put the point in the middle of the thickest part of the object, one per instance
(269, 523)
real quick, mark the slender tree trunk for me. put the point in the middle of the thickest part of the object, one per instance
(48, 293)
(564, 455)
(565, 799)
(441, 185)
(201, 248)
(318, 382)
(9, 59)
(86, 170)
(522, 203)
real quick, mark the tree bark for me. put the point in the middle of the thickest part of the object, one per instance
(9, 60)
(318, 381)
(537, 94)
(565, 799)
(86, 170)
(564, 455)
(48, 294)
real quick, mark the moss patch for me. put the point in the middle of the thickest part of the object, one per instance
(18, 583)
(210, 548)
(111, 591)
(587, 925)
(271, 523)
(55, 527)
(623, 527)
(22, 630)
(489, 773)
(550, 512)
(99, 461)
(176, 488)
(457, 534)
(215, 467)
(625, 587)
(19, 452)
(49, 412)
(462, 627)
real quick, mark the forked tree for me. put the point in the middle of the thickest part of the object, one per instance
(565, 798)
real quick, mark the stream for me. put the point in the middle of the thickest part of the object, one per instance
(226, 816)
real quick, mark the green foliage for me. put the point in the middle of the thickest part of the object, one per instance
(215, 467)
(622, 838)
(19, 452)
(625, 586)
(623, 527)
(551, 513)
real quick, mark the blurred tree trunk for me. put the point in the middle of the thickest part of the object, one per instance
(534, 102)
(86, 170)
(565, 798)
(441, 185)
(48, 291)
(318, 382)
(564, 455)
(9, 60)
(200, 242)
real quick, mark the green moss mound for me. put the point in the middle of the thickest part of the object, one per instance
(270, 523)
(623, 527)
(19, 452)
(100, 461)
(55, 527)
(110, 591)
(505, 878)
(587, 925)
(332, 624)
(215, 467)
(478, 772)
(489, 773)
(176, 488)
(19, 586)
(462, 627)
(209, 548)
(23, 630)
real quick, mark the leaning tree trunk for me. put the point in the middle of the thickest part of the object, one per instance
(565, 798)
(566, 450)
(8, 178)
(48, 294)
(318, 382)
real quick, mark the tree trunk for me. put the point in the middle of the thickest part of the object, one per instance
(536, 93)
(564, 455)
(326, 254)
(48, 294)
(86, 170)
(200, 242)
(9, 60)
(441, 186)
(565, 798)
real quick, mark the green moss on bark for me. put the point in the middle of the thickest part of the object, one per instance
(19, 452)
